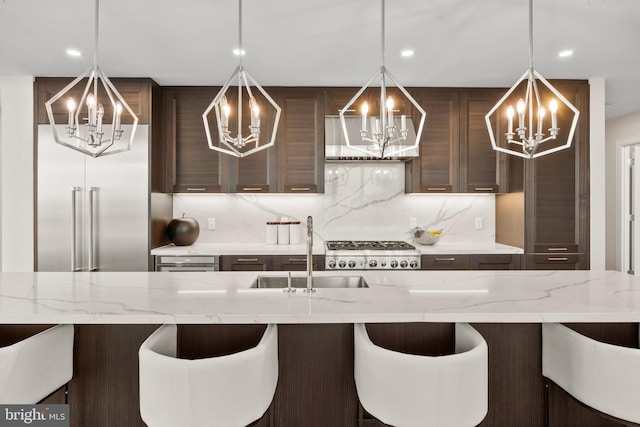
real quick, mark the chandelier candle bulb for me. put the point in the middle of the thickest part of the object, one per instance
(91, 104)
(541, 113)
(403, 123)
(100, 115)
(389, 105)
(116, 125)
(71, 106)
(510, 114)
(364, 110)
(520, 108)
(553, 107)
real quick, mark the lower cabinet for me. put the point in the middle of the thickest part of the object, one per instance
(269, 262)
(472, 262)
(246, 263)
(495, 262)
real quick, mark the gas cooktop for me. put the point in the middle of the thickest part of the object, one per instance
(361, 245)
(371, 255)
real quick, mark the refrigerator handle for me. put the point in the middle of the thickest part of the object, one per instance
(74, 227)
(92, 240)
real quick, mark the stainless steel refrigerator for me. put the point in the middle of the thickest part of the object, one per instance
(92, 213)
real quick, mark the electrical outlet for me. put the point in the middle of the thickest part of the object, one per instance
(412, 222)
(211, 223)
(479, 223)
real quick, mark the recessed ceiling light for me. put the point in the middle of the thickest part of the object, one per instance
(238, 52)
(565, 53)
(74, 52)
(407, 53)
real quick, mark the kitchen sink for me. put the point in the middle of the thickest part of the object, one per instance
(318, 282)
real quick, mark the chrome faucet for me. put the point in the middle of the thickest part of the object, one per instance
(310, 255)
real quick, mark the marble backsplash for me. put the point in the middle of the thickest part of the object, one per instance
(362, 201)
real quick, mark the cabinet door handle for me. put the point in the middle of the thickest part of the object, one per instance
(557, 258)
(196, 189)
(247, 260)
(251, 189)
(300, 189)
(436, 189)
(446, 259)
(297, 260)
(483, 189)
(556, 249)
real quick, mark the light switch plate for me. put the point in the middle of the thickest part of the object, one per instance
(211, 223)
(479, 223)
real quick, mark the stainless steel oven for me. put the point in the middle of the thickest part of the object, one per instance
(187, 263)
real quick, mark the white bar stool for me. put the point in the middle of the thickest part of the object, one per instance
(34, 368)
(602, 376)
(230, 390)
(411, 390)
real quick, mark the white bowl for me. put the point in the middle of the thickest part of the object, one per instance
(427, 238)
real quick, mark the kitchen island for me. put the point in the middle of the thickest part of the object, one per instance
(405, 310)
(392, 296)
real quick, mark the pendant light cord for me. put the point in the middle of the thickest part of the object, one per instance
(240, 31)
(531, 34)
(95, 36)
(382, 31)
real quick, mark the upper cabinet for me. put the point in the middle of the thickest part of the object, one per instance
(294, 164)
(455, 150)
(191, 166)
(436, 168)
(137, 93)
(300, 141)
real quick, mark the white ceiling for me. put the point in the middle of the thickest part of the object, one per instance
(330, 42)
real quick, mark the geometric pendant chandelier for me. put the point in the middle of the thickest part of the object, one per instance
(94, 124)
(384, 133)
(236, 144)
(536, 125)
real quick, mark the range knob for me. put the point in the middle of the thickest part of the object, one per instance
(352, 264)
(342, 264)
(394, 264)
(332, 263)
(413, 264)
(373, 263)
(383, 263)
(403, 264)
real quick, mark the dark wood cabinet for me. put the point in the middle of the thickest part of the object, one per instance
(135, 91)
(436, 168)
(269, 262)
(480, 170)
(246, 263)
(293, 165)
(444, 262)
(296, 263)
(456, 155)
(495, 262)
(300, 141)
(471, 262)
(557, 194)
(191, 166)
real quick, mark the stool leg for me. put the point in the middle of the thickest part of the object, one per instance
(547, 402)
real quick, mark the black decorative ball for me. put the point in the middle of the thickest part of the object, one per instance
(183, 231)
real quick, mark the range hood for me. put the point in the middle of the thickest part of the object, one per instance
(335, 145)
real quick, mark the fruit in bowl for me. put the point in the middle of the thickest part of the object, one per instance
(427, 237)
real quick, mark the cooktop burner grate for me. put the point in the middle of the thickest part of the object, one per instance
(358, 245)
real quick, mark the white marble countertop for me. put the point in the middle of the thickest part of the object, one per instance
(318, 249)
(441, 248)
(393, 296)
(237, 249)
